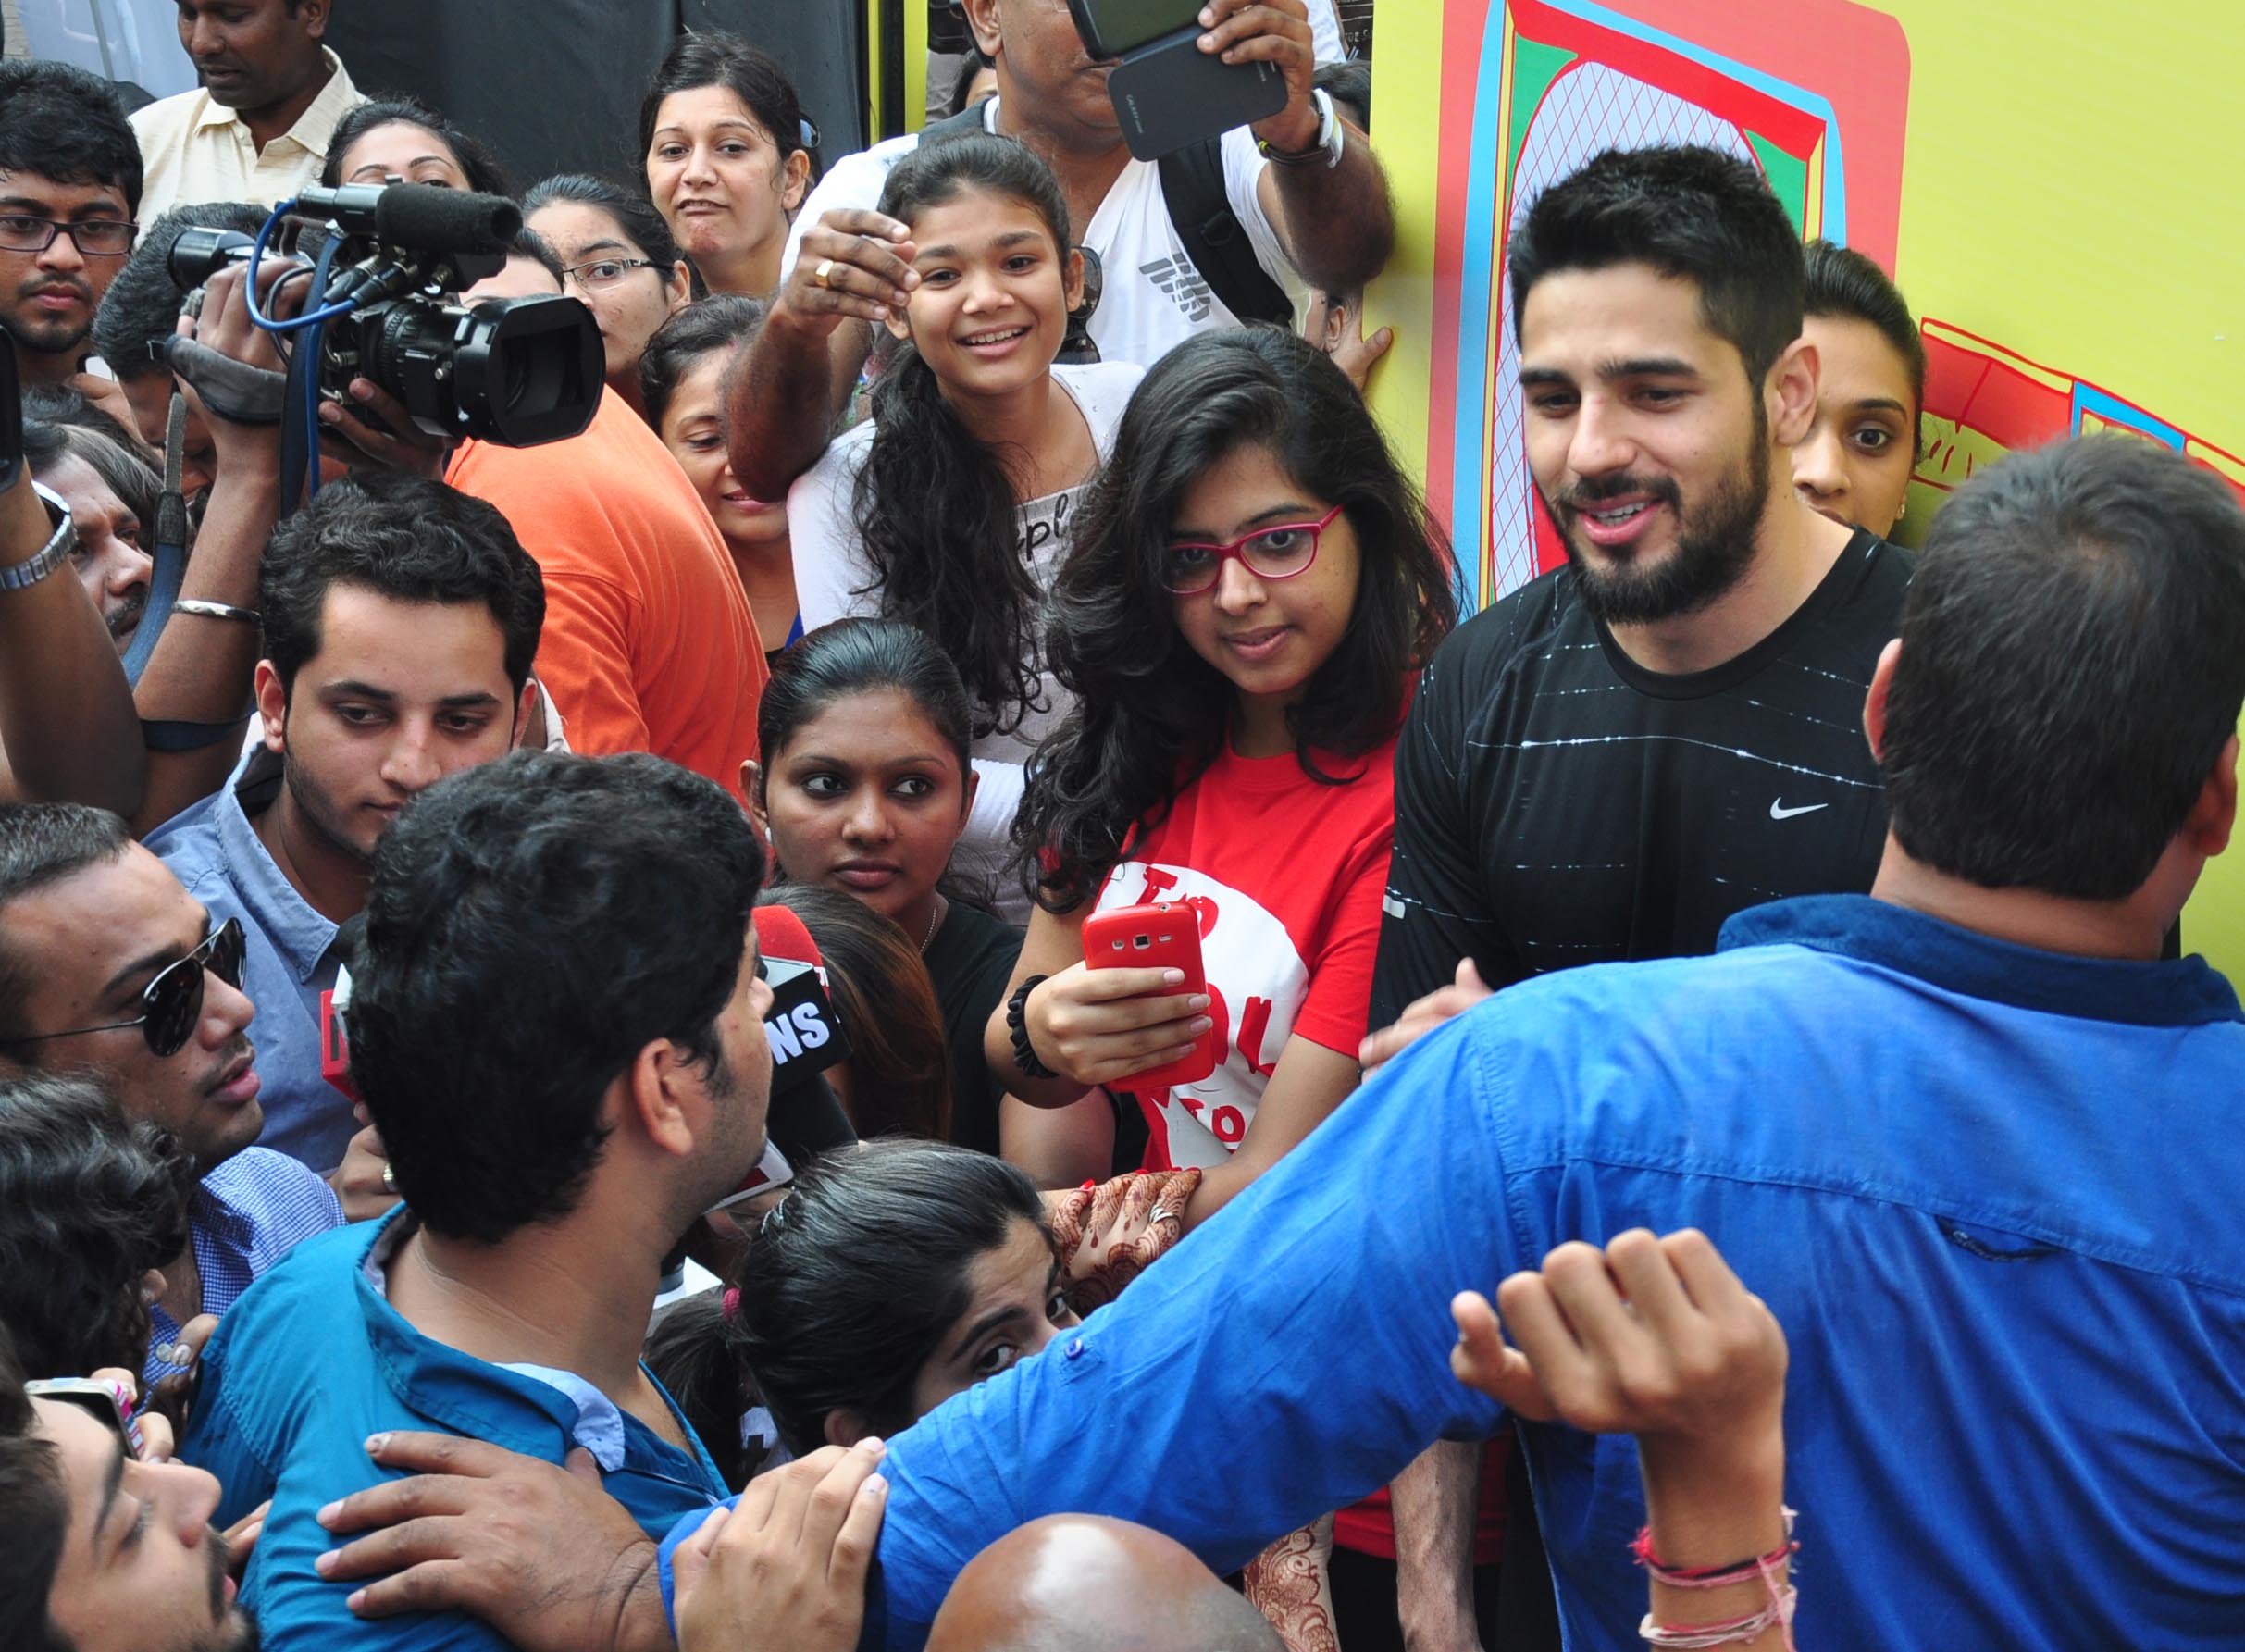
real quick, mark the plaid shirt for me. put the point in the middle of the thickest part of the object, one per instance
(243, 1219)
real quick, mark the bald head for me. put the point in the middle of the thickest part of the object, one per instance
(1079, 1583)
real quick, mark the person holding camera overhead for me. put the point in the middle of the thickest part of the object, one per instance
(1163, 276)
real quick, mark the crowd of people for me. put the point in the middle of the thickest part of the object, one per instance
(924, 990)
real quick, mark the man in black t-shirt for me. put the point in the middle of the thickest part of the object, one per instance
(1620, 755)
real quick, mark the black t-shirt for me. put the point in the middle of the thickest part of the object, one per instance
(969, 960)
(1557, 804)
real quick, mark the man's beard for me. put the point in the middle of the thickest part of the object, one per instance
(126, 621)
(48, 338)
(234, 1631)
(1715, 544)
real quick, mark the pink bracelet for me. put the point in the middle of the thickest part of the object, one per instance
(1731, 1634)
(1735, 1630)
(1714, 1577)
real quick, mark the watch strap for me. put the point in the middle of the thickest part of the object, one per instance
(49, 556)
(1327, 145)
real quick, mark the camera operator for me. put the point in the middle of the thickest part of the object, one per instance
(1319, 216)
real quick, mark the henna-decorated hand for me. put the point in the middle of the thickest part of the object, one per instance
(1106, 1237)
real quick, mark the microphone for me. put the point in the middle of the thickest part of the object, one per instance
(424, 217)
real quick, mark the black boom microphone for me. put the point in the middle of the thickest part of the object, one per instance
(425, 217)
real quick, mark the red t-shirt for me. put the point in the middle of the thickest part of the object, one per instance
(1287, 873)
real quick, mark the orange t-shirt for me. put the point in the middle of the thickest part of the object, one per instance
(649, 644)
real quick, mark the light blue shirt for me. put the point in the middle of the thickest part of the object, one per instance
(1992, 1193)
(289, 960)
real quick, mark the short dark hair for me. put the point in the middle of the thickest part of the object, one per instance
(90, 1201)
(533, 924)
(1840, 281)
(1689, 213)
(481, 169)
(34, 1517)
(2070, 667)
(722, 322)
(143, 304)
(853, 1283)
(751, 74)
(47, 443)
(406, 538)
(43, 844)
(64, 123)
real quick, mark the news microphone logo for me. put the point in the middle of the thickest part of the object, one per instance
(806, 1037)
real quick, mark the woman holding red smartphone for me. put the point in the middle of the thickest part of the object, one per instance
(1252, 586)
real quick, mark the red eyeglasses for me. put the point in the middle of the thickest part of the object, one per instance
(1278, 553)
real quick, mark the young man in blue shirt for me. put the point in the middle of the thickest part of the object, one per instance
(556, 1022)
(399, 621)
(1967, 1136)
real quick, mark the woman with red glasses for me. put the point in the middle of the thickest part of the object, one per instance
(1252, 586)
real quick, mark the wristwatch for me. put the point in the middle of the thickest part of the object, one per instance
(49, 556)
(1329, 143)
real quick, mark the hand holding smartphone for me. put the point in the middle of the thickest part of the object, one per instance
(1167, 92)
(1166, 936)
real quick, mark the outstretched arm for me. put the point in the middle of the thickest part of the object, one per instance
(1336, 222)
(67, 729)
(784, 394)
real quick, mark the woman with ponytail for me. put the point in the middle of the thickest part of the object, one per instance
(953, 506)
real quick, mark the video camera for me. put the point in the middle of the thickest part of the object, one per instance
(514, 371)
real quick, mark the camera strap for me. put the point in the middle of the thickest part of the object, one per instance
(169, 559)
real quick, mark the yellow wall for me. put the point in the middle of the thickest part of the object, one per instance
(2071, 191)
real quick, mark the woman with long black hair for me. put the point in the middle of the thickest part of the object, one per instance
(953, 506)
(1254, 583)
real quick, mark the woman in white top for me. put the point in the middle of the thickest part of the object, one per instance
(953, 507)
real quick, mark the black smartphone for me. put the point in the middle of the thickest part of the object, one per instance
(1167, 92)
(11, 415)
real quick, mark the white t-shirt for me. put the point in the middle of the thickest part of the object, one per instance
(1153, 298)
(833, 578)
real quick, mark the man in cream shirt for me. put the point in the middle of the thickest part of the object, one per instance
(258, 129)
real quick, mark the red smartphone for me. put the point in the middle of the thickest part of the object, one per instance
(1164, 935)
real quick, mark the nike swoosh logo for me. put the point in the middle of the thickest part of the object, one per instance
(1777, 811)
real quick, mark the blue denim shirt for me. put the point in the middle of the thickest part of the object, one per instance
(312, 1361)
(289, 960)
(246, 1214)
(1992, 1193)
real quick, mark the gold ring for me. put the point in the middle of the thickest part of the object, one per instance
(822, 274)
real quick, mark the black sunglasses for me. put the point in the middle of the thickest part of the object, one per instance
(172, 1002)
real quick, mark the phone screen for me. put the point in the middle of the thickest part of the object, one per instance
(1123, 25)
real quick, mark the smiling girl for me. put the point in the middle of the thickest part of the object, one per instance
(729, 157)
(953, 506)
(1253, 584)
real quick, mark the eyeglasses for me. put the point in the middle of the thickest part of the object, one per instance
(1277, 552)
(605, 272)
(94, 238)
(173, 1001)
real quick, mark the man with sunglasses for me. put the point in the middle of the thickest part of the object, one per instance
(70, 186)
(108, 966)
